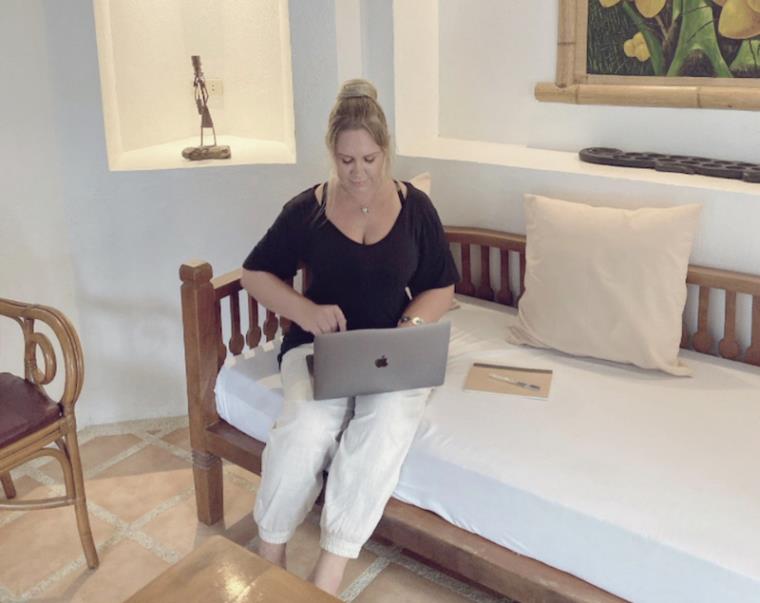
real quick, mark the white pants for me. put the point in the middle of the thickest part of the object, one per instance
(362, 441)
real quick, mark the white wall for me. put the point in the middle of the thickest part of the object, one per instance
(106, 246)
(493, 52)
(35, 249)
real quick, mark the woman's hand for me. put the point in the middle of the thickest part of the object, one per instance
(282, 299)
(318, 319)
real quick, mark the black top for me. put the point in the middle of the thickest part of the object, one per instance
(367, 282)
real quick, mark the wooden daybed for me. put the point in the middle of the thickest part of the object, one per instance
(417, 530)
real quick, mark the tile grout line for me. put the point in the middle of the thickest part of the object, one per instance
(7, 596)
(366, 578)
(67, 569)
(156, 440)
(448, 582)
(131, 427)
(10, 517)
(124, 454)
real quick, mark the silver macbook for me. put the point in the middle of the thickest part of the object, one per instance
(374, 361)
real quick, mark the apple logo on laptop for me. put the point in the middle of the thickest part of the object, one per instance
(381, 362)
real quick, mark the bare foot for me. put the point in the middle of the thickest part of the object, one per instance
(328, 572)
(274, 553)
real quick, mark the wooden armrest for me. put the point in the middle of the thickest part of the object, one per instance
(25, 314)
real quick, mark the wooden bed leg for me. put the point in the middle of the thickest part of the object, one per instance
(209, 491)
(202, 334)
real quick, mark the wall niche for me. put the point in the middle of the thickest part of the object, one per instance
(146, 75)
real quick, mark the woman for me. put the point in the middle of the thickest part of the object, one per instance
(365, 238)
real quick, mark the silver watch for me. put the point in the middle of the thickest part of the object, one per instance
(415, 320)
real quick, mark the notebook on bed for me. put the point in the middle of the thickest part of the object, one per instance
(515, 380)
(371, 361)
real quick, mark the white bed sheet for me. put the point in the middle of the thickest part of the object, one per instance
(641, 483)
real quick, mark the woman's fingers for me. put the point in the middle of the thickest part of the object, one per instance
(341, 319)
(327, 319)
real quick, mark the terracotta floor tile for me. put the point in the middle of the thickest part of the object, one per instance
(40, 542)
(136, 485)
(303, 551)
(399, 585)
(93, 453)
(124, 569)
(179, 529)
(179, 437)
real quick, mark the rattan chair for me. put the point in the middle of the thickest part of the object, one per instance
(30, 420)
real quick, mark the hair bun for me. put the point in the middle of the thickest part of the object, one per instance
(357, 89)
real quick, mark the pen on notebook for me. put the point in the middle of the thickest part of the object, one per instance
(514, 382)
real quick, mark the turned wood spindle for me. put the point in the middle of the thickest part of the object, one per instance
(504, 296)
(465, 286)
(236, 335)
(253, 336)
(701, 341)
(753, 352)
(728, 346)
(221, 350)
(270, 325)
(485, 291)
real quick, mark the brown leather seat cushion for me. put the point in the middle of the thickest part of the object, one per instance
(23, 409)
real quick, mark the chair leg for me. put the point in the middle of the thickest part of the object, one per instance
(209, 497)
(8, 487)
(80, 503)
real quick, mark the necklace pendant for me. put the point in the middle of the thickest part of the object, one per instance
(365, 210)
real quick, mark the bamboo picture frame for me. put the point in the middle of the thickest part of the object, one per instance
(573, 83)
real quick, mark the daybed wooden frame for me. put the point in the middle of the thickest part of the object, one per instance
(417, 530)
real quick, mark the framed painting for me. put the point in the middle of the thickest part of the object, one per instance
(662, 53)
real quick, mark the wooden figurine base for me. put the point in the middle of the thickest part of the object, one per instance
(207, 152)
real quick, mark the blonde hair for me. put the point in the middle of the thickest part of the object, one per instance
(357, 108)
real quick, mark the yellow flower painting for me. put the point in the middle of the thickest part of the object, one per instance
(674, 38)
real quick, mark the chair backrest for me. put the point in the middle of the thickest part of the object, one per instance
(35, 341)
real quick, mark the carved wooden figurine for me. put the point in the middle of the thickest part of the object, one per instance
(201, 100)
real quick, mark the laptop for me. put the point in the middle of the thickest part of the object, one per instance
(372, 361)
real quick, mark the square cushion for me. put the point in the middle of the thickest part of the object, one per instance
(423, 182)
(605, 282)
(23, 409)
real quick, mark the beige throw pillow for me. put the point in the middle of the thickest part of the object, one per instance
(607, 283)
(423, 182)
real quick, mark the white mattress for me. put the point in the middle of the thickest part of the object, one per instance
(643, 484)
